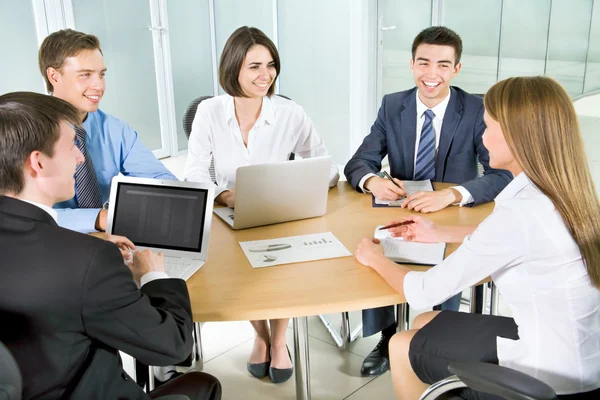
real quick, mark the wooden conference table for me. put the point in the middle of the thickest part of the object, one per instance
(227, 288)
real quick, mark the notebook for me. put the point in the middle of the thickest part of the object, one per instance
(411, 187)
(162, 215)
(406, 252)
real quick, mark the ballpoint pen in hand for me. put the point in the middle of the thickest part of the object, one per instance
(388, 176)
(396, 224)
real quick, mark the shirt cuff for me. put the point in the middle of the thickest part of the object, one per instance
(466, 196)
(361, 184)
(219, 190)
(152, 276)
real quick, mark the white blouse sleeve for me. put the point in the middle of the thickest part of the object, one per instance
(310, 144)
(500, 242)
(200, 151)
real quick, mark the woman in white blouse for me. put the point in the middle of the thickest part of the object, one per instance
(246, 126)
(540, 245)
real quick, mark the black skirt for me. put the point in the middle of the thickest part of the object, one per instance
(455, 336)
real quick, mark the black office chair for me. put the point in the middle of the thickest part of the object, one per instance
(188, 120)
(500, 381)
(11, 382)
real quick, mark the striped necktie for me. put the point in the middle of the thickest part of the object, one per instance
(86, 183)
(425, 164)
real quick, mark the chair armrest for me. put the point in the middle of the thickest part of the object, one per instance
(501, 381)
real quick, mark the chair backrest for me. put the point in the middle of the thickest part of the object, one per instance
(11, 382)
(188, 120)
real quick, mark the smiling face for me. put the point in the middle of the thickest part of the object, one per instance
(258, 72)
(433, 67)
(80, 81)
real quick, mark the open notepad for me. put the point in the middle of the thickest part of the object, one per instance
(405, 252)
(411, 187)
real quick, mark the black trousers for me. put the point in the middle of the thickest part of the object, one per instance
(195, 385)
(377, 319)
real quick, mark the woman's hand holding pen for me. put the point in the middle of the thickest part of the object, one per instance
(419, 230)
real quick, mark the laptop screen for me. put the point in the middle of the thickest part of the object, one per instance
(160, 216)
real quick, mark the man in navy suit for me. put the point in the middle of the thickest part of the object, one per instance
(432, 131)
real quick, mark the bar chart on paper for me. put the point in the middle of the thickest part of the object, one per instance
(286, 250)
(317, 242)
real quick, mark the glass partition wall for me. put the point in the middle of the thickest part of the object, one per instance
(501, 38)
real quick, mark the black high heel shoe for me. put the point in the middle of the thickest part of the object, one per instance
(278, 375)
(259, 370)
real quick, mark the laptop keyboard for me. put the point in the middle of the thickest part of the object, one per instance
(179, 268)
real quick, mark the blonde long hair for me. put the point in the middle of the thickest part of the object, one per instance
(541, 129)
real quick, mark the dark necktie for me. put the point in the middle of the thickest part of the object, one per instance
(86, 183)
(425, 164)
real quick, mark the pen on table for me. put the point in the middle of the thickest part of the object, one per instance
(396, 224)
(388, 176)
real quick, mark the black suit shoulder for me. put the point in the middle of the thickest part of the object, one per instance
(470, 101)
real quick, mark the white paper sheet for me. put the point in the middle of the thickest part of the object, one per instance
(411, 187)
(402, 251)
(293, 249)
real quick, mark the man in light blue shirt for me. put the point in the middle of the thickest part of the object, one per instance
(73, 67)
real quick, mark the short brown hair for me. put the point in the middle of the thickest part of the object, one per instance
(28, 122)
(441, 36)
(234, 53)
(60, 45)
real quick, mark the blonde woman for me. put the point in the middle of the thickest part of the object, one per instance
(541, 246)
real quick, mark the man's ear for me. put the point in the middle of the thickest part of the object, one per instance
(34, 164)
(53, 75)
(457, 68)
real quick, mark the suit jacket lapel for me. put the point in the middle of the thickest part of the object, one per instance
(452, 117)
(409, 134)
(25, 210)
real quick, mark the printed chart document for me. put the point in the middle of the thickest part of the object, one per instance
(405, 252)
(293, 249)
(411, 187)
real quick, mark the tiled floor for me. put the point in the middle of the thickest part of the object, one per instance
(335, 374)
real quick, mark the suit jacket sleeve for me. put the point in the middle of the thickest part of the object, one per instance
(485, 188)
(373, 149)
(153, 324)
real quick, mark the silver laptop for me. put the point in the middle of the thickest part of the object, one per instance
(169, 216)
(278, 192)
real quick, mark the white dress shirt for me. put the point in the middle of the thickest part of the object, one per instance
(147, 277)
(531, 256)
(49, 210)
(282, 128)
(439, 111)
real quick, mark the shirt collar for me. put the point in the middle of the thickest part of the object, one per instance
(515, 186)
(439, 110)
(267, 114)
(49, 210)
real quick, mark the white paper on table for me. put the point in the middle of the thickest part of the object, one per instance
(411, 187)
(406, 252)
(293, 249)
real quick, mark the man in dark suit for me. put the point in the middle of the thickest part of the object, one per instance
(68, 302)
(433, 131)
